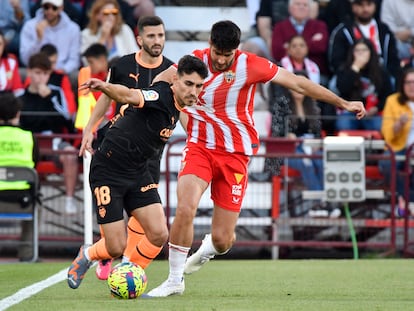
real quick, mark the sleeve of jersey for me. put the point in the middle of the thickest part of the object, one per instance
(141, 101)
(261, 70)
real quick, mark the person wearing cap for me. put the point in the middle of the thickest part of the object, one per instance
(52, 25)
(365, 25)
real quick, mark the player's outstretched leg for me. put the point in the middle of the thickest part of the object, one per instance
(79, 267)
(103, 268)
(201, 256)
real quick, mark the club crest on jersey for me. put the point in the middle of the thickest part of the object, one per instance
(150, 95)
(229, 76)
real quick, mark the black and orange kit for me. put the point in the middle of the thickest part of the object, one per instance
(120, 175)
(131, 71)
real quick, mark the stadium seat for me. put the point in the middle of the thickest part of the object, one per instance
(21, 205)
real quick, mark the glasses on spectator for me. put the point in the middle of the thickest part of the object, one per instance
(407, 82)
(110, 12)
(357, 50)
(49, 6)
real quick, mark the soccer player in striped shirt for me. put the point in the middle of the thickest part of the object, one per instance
(221, 138)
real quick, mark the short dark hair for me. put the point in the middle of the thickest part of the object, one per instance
(148, 21)
(225, 35)
(39, 60)
(189, 64)
(10, 105)
(49, 49)
(96, 50)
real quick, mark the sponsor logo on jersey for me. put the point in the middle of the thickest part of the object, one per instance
(235, 200)
(166, 133)
(238, 177)
(149, 187)
(150, 95)
(134, 76)
(236, 190)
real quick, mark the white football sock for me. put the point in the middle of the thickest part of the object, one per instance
(207, 248)
(177, 257)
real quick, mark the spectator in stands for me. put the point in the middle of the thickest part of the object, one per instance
(107, 27)
(270, 12)
(9, 70)
(340, 11)
(314, 31)
(398, 131)
(399, 16)
(297, 59)
(98, 66)
(23, 153)
(364, 25)
(45, 111)
(13, 14)
(73, 8)
(410, 61)
(52, 25)
(58, 78)
(363, 78)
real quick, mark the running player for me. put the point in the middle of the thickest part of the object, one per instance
(120, 178)
(221, 138)
(137, 70)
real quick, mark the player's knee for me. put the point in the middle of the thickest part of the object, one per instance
(186, 212)
(158, 237)
(223, 243)
(116, 250)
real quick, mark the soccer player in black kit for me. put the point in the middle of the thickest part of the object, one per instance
(119, 176)
(137, 70)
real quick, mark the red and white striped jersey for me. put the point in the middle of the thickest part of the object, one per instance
(222, 119)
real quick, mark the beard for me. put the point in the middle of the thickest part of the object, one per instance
(364, 19)
(151, 52)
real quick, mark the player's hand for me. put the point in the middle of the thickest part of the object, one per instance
(92, 84)
(87, 140)
(356, 107)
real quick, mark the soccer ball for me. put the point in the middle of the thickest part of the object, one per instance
(127, 280)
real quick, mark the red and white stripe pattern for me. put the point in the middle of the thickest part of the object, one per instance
(222, 119)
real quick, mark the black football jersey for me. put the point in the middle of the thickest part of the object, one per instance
(133, 73)
(141, 132)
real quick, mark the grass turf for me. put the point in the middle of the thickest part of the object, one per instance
(373, 284)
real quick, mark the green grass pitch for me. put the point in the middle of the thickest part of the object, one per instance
(366, 284)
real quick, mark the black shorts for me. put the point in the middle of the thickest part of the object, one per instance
(117, 186)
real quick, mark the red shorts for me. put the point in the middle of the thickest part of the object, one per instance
(227, 173)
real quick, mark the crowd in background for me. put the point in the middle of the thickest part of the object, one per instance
(357, 48)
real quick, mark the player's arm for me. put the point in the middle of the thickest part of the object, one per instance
(307, 87)
(184, 120)
(117, 92)
(167, 75)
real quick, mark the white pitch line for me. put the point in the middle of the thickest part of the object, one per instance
(33, 289)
